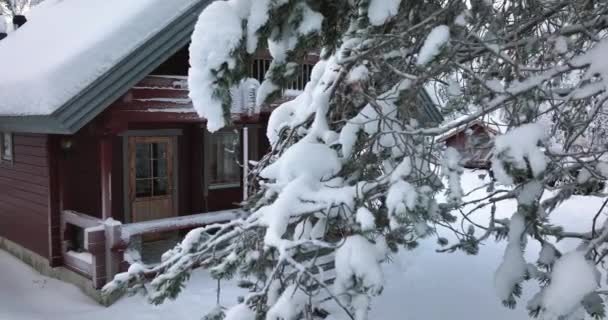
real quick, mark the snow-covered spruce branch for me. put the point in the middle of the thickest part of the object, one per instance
(356, 172)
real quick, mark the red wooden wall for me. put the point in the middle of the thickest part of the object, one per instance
(80, 173)
(24, 194)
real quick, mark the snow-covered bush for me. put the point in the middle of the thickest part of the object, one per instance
(355, 171)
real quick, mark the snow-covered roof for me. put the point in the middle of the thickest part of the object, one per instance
(454, 131)
(69, 46)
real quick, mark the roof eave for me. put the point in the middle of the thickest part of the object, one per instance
(108, 88)
(32, 124)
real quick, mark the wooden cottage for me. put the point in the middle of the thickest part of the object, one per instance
(101, 149)
(474, 141)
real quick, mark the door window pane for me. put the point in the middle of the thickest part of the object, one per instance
(159, 151)
(159, 168)
(143, 188)
(151, 169)
(142, 168)
(160, 187)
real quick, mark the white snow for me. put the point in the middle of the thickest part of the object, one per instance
(84, 256)
(401, 196)
(240, 312)
(371, 122)
(258, 16)
(452, 169)
(366, 219)
(289, 305)
(495, 85)
(204, 62)
(358, 74)
(583, 176)
(53, 58)
(172, 110)
(302, 230)
(602, 168)
(436, 39)
(453, 88)
(547, 255)
(596, 59)
(297, 110)
(461, 20)
(421, 284)
(513, 268)
(561, 45)
(136, 228)
(358, 258)
(518, 147)
(348, 135)
(316, 160)
(311, 20)
(573, 277)
(380, 11)
(403, 169)
(310, 23)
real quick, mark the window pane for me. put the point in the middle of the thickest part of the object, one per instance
(224, 168)
(143, 188)
(8, 146)
(159, 168)
(142, 150)
(160, 187)
(142, 168)
(159, 150)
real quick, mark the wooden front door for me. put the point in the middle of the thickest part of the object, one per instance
(151, 178)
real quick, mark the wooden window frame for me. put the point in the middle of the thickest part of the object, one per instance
(208, 154)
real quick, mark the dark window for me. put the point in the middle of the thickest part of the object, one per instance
(224, 169)
(151, 175)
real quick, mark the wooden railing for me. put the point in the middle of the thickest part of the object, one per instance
(106, 241)
(92, 261)
(175, 223)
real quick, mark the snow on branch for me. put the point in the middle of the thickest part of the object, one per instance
(356, 172)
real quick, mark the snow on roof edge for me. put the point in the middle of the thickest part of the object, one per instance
(85, 60)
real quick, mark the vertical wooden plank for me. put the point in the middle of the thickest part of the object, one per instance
(105, 155)
(131, 191)
(54, 208)
(114, 259)
(245, 144)
(171, 181)
(196, 169)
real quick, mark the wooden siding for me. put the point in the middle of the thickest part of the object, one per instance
(80, 167)
(148, 107)
(24, 194)
(474, 156)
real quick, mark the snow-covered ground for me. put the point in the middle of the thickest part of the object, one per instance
(421, 285)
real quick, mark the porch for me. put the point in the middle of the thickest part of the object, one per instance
(142, 174)
(106, 242)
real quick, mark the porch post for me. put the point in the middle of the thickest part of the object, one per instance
(112, 229)
(105, 157)
(245, 162)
